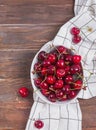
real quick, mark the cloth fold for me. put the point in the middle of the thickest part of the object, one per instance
(69, 117)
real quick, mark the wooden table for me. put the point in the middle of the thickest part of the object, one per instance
(26, 25)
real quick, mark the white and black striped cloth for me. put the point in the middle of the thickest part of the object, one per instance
(69, 117)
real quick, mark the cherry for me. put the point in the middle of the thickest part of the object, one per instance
(66, 89)
(59, 94)
(75, 69)
(45, 92)
(67, 68)
(38, 124)
(76, 39)
(52, 97)
(44, 85)
(42, 55)
(76, 59)
(60, 73)
(51, 58)
(51, 69)
(75, 31)
(78, 84)
(37, 66)
(51, 79)
(64, 98)
(68, 79)
(62, 57)
(60, 64)
(68, 58)
(44, 71)
(61, 49)
(72, 94)
(46, 63)
(58, 84)
(23, 91)
(37, 81)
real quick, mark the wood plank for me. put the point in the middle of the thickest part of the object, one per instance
(26, 36)
(37, 12)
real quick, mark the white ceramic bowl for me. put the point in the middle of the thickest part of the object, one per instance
(46, 48)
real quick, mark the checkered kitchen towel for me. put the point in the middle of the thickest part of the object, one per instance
(69, 117)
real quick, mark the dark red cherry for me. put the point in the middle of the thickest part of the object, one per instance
(61, 49)
(45, 92)
(78, 84)
(46, 63)
(51, 79)
(52, 97)
(58, 84)
(72, 94)
(23, 91)
(42, 55)
(68, 79)
(51, 69)
(44, 85)
(68, 58)
(44, 71)
(75, 31)
(67, 68)
(37, 81)
(60, 73)
(51, 57)
(62, 57)
(60, 64)
(75, 69)
(76, 39)
(66, 89)
(76, 59)
(38, 124)
(37, 67)
(59, 94)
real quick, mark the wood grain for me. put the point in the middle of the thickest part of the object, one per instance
(25, 27)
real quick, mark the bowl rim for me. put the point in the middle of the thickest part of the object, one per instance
(35, 89)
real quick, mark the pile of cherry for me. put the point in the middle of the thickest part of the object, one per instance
(59, 74)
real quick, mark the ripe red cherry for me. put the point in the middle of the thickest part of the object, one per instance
(75, 31)
(68, 79)
(59, 94)
(60, 64)
(72, 94)
(37, 66)
(51, 79)
(67, 68)
(76, 59)
(46, 63)
(78, 84)
(61, 49)
(64, 98)
(51, 69)
(45, 92)
(38, 124)
(62, 57)
(42, 55)
(76, 39)
(37, 81)
(52, 97)
(68, 58)
(66, 89)
(60, 73)
(44, 71)
(51, 58)
(44, 85)
(23, 91)
(75, 69)
(58, 84)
